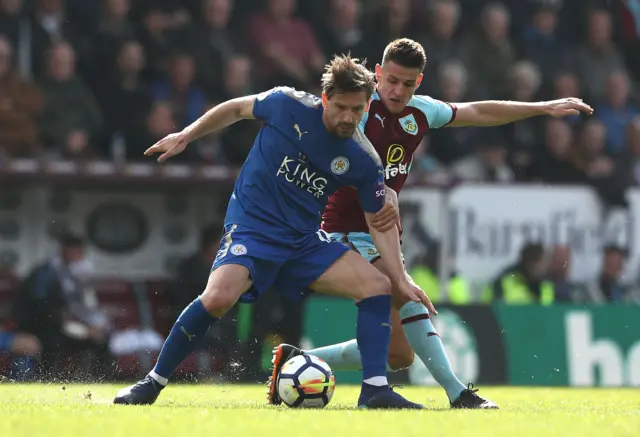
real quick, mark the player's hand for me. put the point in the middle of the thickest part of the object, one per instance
(389, 215)
(171, 145)
(567, 107)
(415, 294)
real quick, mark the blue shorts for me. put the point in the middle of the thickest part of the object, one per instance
(6, 340)
(361, 242)
(290, 266)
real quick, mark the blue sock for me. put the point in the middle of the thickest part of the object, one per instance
(426, 343)
(23, 368)
(186, 334)
(373, 333)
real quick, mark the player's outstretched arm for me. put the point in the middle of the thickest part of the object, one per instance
(219, 117)
(497, 112)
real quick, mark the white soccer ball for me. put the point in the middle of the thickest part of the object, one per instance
(306, 381)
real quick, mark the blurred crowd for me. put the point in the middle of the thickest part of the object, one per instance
(108, 78)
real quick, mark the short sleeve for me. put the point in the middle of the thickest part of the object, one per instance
(371, 188)
(438, 113)
(269, 103)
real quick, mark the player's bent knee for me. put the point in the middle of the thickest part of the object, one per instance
(219, 300)
(399, 361)
(226, 285)
(376, 285)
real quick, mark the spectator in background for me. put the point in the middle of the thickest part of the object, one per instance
(523, 282)
(71, 120)
(193, 272)
(53, 304)
(449, 145)
(164, 27)
(237, 139)
(617, 111)
(524, 82)
(558, 273)
(187, 99)
(488, 164)
(565, 85)
(607, 288)
(14, 25)
(20, 104)
(440, 44)
(159, 123)
(599, 57)
(49, 26)
(554, 165)
(125, 98)
(285, 47)
(392, 20)
(628, 163)
(213, 43)
(113, 30)
(344, 33)
(490, 51)
(539, 42)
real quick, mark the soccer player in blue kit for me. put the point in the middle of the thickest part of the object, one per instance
(306, 150)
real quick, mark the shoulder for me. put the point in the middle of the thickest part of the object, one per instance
(437, 112)
(290, 95)
(426, 104)
(363, 148)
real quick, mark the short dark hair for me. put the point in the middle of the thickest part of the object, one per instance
(406, 53)
(345, 74)
(69, 239)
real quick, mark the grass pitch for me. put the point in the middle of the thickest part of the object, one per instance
(236, 410)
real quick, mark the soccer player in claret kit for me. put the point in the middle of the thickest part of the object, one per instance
(306, 150)
(396, 123)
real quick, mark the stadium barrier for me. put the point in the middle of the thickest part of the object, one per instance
(563, 345)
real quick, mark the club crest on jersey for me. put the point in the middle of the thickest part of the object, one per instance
(409, 124)
(238, 249)
(340, 165)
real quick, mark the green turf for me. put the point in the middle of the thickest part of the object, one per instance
(227, 410)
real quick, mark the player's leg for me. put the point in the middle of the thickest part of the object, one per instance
(225, 286)
(331, 268)
(415, 321)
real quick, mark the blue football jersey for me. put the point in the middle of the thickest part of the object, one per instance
(295, 164)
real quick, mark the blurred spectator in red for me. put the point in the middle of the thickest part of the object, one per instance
(285, 47)
(124, 98)
(187, 99)
(20, 104)
(490, 51)
(489, 163)
(554, 165)
(71, 120)
(616, 111)
(599, 57)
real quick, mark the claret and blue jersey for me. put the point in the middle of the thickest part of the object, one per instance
(295, 165)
